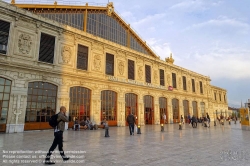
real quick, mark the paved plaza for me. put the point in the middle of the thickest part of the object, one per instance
(221, 145)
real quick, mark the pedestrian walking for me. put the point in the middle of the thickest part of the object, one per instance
(58, 139)
(164, 118)
(131, 123)
(208, 120)
(182, 122)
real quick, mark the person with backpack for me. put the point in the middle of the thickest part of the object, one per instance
(57, 121)
(131, 123)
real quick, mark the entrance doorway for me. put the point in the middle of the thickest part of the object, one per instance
(175, 105)
(148, 109)
(41, 105)
(163, 110)
(186, 110)
(109, 107)
(131, 106)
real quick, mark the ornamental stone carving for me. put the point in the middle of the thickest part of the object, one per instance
(121, 67)
(97, 62)
(24, 43)
(140, 72)
(66, 54)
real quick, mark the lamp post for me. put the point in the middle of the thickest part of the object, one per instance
(162, 127)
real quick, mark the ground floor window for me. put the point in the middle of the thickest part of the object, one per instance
(109, 106)
(163, 109)
(41, 102)
(79, 105)
(5, 88)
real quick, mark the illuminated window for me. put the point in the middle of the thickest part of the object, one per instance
(108, 106)
(79, 105)
(41, 102)
(5, 89)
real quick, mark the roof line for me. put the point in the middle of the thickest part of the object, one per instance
(126, 26)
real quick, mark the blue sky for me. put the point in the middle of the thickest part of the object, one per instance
(205, 36)
(211, 37)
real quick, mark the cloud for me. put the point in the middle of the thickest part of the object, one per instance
(194, 5)
(221, 21)
(163, 50)
(220, 62)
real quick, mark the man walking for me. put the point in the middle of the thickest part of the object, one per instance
(131, 123)
(208, 120)
(58, 133)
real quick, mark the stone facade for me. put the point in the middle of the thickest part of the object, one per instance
(21, 66)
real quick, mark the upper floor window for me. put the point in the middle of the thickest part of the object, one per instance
(193, 85)
(214, 96)
(201, 87)
(109, 64)
(47, 47)
(162, 81)
(4, 35)
(148, 73)
(82, 57)
(174, 80)
(131, 69)
(184, 83)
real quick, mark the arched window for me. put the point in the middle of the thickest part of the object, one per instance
(149, 109)
(163, 108)
(5, 89)
(41, 103)
(109, 107)
(79, 105)
(131, 104)
(175, 106)
(203, 109)
(195, 110)
(186, 109)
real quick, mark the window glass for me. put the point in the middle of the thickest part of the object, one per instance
(40, 105)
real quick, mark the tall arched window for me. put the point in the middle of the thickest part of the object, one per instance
(195, 109)
(149, 109)
(175, 106)
(203, 109)
(41, 104)
(131, 104)
(5, 88)
(79, 105)
(186, 109)
(163, 108)
(109, 107)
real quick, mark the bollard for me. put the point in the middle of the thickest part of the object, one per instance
(138, 129)
(106, 131)
(180, 126)
(229, 121)
(214, 123)
(162, 128)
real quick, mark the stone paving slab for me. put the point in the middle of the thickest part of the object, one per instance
(218, 145)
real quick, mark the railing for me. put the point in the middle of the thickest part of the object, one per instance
(59, 2)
